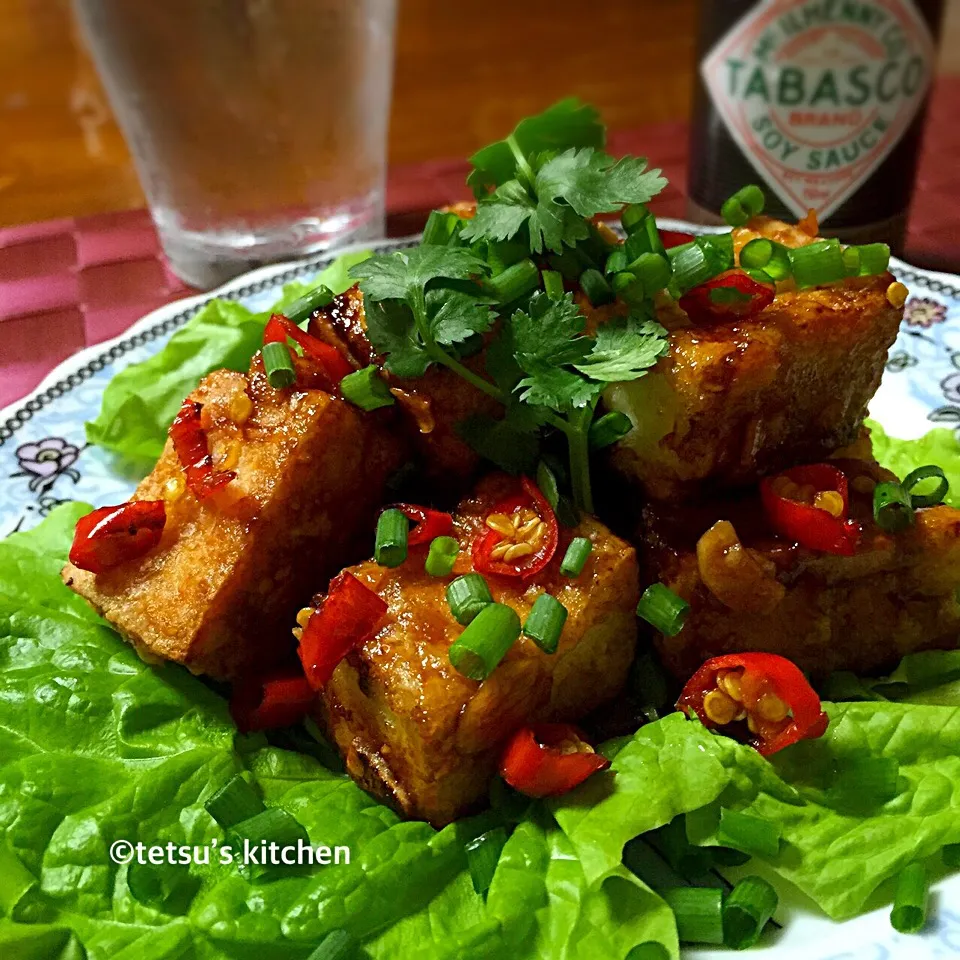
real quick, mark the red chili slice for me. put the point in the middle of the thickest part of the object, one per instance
(429, 523)
(811, 526)
(674, 238)
(279, 701)
(484, 549)
(763, 686)
(190, 443)
(332, 363)
(344, 621)
(547, 759)
(730, 296)
(111, 536)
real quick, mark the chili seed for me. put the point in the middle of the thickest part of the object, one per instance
(719, 707)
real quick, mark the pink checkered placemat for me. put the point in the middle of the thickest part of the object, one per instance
(68, 284)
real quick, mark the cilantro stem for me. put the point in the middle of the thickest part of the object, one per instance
(523, 167)
(436, 353)
(577, 430)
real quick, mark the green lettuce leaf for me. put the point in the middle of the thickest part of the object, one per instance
(931, 677)
(99, 747)
(141, 400)
(939, 446)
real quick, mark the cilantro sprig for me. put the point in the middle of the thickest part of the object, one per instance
(537, 191)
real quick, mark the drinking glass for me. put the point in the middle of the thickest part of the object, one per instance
(258, 127)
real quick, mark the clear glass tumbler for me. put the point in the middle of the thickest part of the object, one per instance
(258, 127)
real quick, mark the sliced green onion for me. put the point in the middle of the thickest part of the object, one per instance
(644, 238)
(595, 286)
(483, 854)
(390, 549)
(909, 913)
(933, 498)
(575, 557)
(650, 950)
(467, 596)
(441, 228)
(747, 910)
(744, 204)
(553, 284)
(699, 913)
(818, 263)
(616, 262)
(720, 246)
(235, 801)
(652, 270)
(501, 254)
(336, 945)
(485, 642)
(951, 855)
(671, 842)
(892, 509)
(544, 623)
(663, 609)
(164, 886)
(692, 265)
(767, 255)
(273, 825)
(312, 301)
(626, 286)
(366, 389)
(278, 365)
(633, 216)
(851, 261)
(441, 557)
(547, 482)
(867, 260)
(748, 834)
(515, 282)
(728, 857)
(608, 429)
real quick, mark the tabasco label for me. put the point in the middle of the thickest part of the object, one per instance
(817, 93)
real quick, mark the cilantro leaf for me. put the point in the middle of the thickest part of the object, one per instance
(512, 443)
(551, 333)
(458, 317)
(402, 274)
(593, 182)
(568, 188)
(393, 333)
(568, 123)
(557, 388)
(625, 349)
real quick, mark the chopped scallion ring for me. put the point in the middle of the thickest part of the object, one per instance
(575, 557)
(951, 855)
(336, 945)
(927, 472)
(235, 801)
(608, 429)
(278, 365)
(517, 281)
(663, 609)
(699, 913)
(892, 507)
(441, 557)
(553, 284)
(441, 229)
(748, 834)
(747, 202)
(633, 216)
(545, 622)
(616, 262)
(274, 825)
(767, 255)
(909, 913)
(547, 484)
(390, 549)
(483, 854)
(595, 286)
(746, 911)
(365, 389)
(818, 263)
(485, 641)
(867, 261)
(652, 270)
(467, 596)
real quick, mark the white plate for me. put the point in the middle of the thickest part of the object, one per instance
(45, 460)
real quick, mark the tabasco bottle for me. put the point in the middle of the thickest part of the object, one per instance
(821, 102)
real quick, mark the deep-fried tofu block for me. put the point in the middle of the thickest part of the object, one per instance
(218, 592)
(422, 736)
(431, 406)
(732, 402)
(825, 612)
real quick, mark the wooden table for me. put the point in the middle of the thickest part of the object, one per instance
(463, 78)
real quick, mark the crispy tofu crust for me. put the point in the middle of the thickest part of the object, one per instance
(427, 739)
(733, 402)
(897, 595)
(218, 592)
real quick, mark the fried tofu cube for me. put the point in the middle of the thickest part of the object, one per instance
(730, 403)
(750, 590)
(218, 592)
(416, 732)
